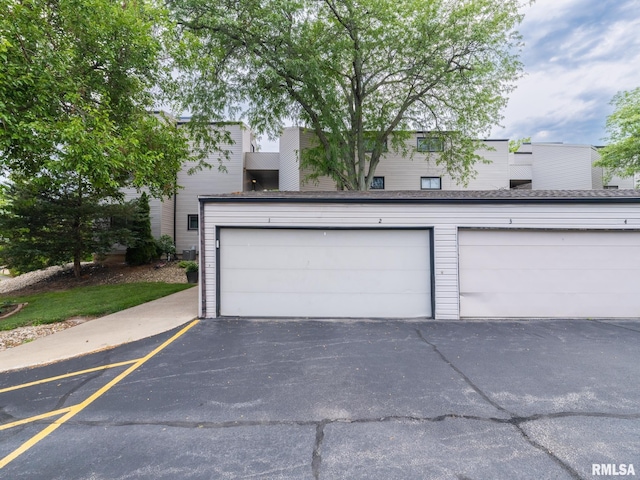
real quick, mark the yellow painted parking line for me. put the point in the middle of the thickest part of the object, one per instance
(24, 421)
(81, 406)
(67, 375)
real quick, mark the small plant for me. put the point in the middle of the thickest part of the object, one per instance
(165, 246)
(189, 266)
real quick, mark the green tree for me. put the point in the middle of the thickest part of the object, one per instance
(142, 248)
(622, 154)
(57, 218)
(78, 82)
(358, 74)
(514, 145)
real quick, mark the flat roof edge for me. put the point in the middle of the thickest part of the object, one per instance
(406, 201)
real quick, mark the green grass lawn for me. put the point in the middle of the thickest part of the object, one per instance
(93, 301)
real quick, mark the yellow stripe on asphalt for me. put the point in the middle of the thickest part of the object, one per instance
(81, 406)
(67, 375)
(17, 423)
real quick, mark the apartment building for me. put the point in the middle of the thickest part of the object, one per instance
(536, 166)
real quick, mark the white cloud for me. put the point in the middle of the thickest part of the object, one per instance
(576, 60)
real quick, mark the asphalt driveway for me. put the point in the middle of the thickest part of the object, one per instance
(334, 400)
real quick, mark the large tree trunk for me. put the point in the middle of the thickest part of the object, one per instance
(77, 265)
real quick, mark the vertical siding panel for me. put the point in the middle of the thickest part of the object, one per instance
(321, 184)
(166, 225)
(208, 182)
(561, 167)
(289, 179)
(447, 296)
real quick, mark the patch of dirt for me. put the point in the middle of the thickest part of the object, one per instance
(63, 279)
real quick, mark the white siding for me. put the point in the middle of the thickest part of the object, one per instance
(166, 222)
(321, 184)
(400, 172)
(404, 172)
(262, 161)
(562, 167)
(444, 218)
(289, 162)
(208, 182)
(520, 172)
(622, 183)
(446, 272)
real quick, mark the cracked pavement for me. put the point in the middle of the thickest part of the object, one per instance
(332, 400)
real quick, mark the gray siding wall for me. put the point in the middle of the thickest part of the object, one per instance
(400, 172)
(444, 219)
(562, 167)
(289, 180)
(208, 182)
(404, 173)
(262, 161)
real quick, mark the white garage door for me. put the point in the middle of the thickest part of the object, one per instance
(325, 273)
(549, 273)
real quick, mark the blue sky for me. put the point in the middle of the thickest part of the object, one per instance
(577, 55)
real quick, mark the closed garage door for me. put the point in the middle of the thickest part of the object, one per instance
(325, 273)
(549, 273)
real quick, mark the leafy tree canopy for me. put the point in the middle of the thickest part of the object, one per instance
(622, 155)
(78, 82)
(514, 145)
(360, 74)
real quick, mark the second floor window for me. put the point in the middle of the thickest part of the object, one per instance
(430, 183)
(377, 183)
(430, 144)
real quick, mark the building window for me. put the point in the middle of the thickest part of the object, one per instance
(430, 144)
(430, 183)
(611, 187)
(377, 183)
(369, 143)
(192, 222)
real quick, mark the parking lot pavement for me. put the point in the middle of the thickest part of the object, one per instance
(332, 400)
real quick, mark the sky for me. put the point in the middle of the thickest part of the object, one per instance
(577, 55)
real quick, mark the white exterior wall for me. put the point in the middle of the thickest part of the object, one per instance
(445, 219)
(562, 167)
(209, 182)
(401, 173)
(622, 183)
(289, 179)
(166, 217)
(404, 173)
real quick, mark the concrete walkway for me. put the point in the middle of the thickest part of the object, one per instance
(126, 326)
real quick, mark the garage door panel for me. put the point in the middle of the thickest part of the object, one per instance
(324, 258)
(323, 305)
(551, 305)
(545, 237)
(542, 281)
(549, 273)
(329, 281)
(325, 273)
(561, 256)
(279, 237)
